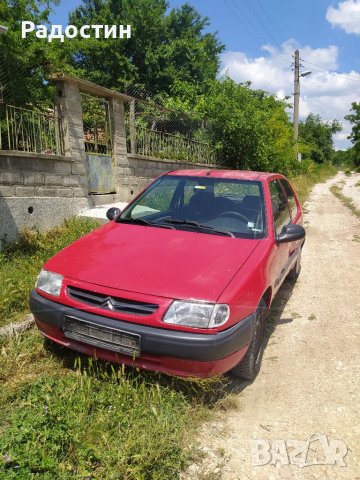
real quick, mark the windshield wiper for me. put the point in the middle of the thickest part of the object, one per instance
(141, 221)
(200, 227)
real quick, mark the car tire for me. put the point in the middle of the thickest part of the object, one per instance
(249, 366)
(294, 273)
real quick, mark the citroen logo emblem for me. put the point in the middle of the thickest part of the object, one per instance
(109, 303)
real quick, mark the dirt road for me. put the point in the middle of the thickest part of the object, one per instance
(310, 380)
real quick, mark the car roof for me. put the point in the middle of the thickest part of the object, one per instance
(229, 174)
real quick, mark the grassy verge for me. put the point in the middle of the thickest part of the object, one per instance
(21, 262)
(304, 182)
(347, 201)
(69, 417)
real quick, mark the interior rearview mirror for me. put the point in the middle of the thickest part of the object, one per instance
(113, 212)
(291, 233)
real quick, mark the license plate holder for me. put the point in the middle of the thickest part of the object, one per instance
(102, 336)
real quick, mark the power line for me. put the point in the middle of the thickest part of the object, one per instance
(352, 77)
(262, 24)
(244, 19)
(250, 28)
(267, 16)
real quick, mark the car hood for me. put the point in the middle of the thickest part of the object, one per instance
(155, 261)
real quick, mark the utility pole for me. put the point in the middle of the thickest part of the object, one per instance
(296, 94)
(297, 76)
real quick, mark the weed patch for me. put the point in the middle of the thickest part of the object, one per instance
(67, 416)
(303, 183)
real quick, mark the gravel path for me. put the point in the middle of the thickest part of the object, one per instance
(309, 381)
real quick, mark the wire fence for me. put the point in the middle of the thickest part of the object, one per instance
(153, 143)
(156, 131)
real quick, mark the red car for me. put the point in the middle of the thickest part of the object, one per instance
(182, 280)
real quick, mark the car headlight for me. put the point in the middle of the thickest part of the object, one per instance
(197, 314)
(49, 282)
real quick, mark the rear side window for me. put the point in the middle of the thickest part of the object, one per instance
(280, 207)
(291, 198)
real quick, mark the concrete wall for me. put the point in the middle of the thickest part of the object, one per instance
(139, 171)
(38, 191)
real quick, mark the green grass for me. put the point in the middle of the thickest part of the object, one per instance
(303, 183)
(70, 417)
(347, 201)
(21, 262)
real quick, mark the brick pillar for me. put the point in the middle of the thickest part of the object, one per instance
(72, 132)
(121, 162)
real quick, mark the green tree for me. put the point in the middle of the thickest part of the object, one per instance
(249, 128)
(354, 118)
(23, 61)
(164, 46)
(318, 136)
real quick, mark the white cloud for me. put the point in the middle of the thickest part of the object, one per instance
(323, 92)
(346, 16)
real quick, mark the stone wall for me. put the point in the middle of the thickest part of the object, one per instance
(38, 191)
(139, 171)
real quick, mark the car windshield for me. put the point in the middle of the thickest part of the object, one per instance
(204, 204)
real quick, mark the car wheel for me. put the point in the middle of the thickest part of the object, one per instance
(295, 271)
(249, 366)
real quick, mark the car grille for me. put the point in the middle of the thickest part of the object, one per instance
(110, 303)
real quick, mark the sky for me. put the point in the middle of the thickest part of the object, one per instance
(260, 37)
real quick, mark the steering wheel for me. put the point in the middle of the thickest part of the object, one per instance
(237, 215)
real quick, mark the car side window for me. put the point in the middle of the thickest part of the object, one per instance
(280, 207)
(291, 198)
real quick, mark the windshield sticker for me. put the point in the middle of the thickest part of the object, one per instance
(200, 187)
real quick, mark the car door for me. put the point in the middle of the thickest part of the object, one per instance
(281, 217)
(296, 217)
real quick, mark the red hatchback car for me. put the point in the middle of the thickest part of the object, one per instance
(182, 280)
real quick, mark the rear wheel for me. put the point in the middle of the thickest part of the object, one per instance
(249, 366)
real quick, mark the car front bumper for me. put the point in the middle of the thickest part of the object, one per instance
(169, 351)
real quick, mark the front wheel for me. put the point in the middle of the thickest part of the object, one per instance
(294, 273)
(249, 366)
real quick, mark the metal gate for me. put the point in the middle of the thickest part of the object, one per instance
(98, 143)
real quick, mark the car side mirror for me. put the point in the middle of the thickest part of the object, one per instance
(113, 212)
(291, 233)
